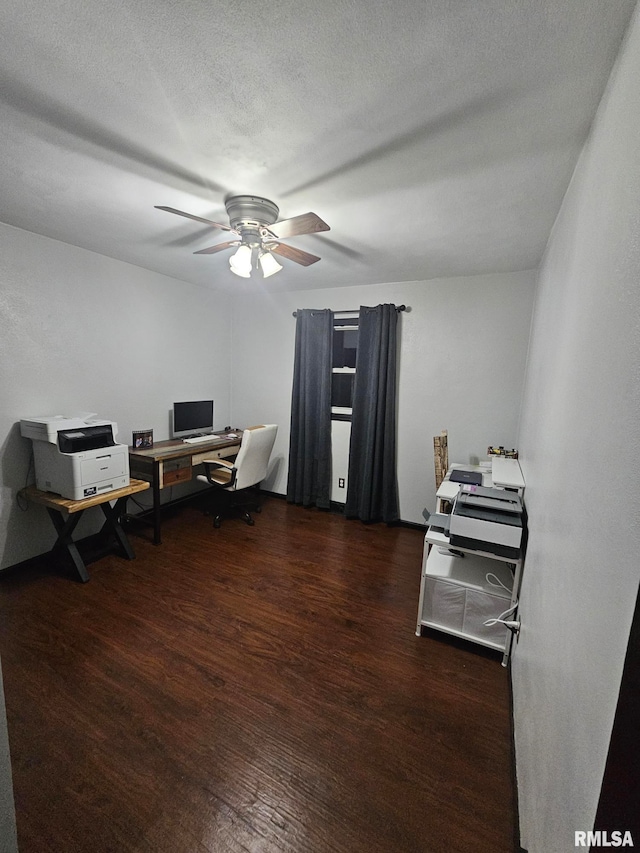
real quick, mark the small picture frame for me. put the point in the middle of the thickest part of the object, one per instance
(142, 438)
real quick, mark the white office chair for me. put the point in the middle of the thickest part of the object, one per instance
(248, 469)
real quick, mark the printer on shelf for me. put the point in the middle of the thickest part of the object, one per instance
(487, 519)
(77, 457)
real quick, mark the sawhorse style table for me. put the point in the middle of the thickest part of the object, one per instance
(65, 515)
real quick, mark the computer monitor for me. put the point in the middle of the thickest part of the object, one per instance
(194, 417)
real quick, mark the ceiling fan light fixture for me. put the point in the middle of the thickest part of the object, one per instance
(240, 263)
(254, 220)
(268, 264)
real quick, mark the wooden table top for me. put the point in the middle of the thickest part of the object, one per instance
(175, 448)
(67, 505)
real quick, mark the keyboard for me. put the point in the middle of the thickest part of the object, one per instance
(197, 439)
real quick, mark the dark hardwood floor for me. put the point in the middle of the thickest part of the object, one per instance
(251, 689)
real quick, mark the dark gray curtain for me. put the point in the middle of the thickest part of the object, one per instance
(309, 480)
(372, 492)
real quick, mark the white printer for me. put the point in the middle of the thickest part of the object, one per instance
(77, 457)
(488, 520)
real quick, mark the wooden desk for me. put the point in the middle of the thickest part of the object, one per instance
(170, 462)
(59, 507)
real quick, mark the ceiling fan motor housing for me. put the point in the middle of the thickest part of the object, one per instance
(251, 210)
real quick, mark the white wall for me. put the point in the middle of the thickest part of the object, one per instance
(462, 357)
(79, 331)
(579, 442)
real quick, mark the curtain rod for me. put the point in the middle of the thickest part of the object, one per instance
(357, 310)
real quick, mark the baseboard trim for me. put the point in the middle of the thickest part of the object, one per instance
(337, 507)
(517, 846)
(91, 542)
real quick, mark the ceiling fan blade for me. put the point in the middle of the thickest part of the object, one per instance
(219, 248)
(306, 223)
(292, 254)
(196, 218)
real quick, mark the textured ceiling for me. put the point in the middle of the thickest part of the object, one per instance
(435, 137)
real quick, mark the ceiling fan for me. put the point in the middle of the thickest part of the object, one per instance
(255, 221)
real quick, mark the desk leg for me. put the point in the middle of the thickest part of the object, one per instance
(112, 515)
(64, 530)
(156, 503)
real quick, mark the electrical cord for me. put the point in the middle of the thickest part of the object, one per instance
(139, 504)
(511, 624)
(21, 500)
(497, 582)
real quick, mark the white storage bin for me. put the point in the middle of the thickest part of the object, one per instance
(458, 597)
